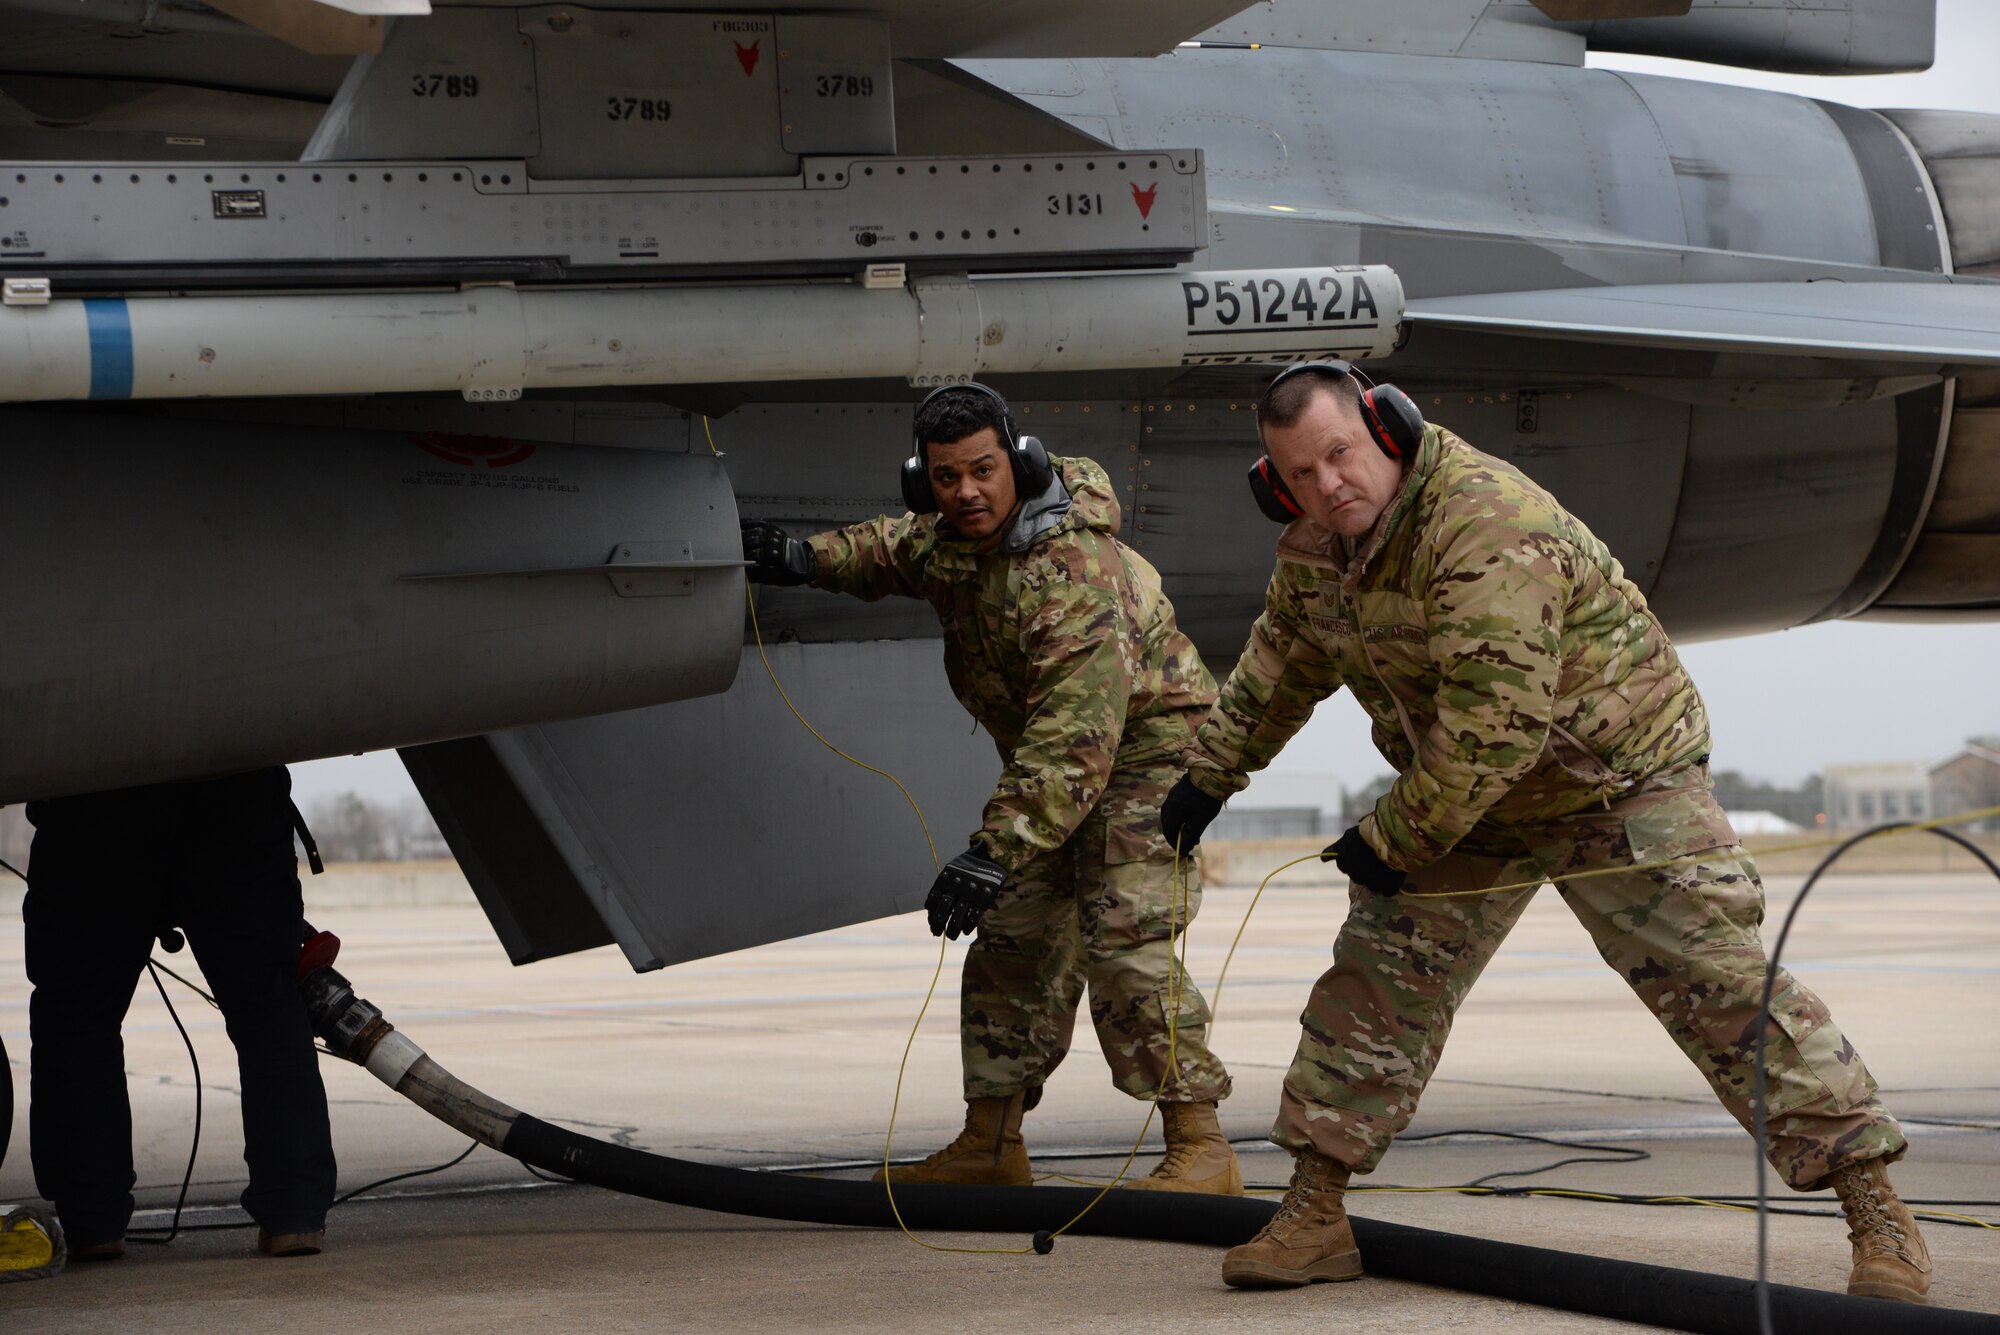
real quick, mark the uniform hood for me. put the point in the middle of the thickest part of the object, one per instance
(1093, 503)
(1078, 496)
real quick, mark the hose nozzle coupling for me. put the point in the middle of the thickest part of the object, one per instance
(348, 1025)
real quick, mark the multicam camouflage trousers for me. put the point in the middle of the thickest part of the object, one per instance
(1099, 910)
(1684, 938)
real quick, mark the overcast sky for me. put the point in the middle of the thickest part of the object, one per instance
(1961, 79)
(1782, 705)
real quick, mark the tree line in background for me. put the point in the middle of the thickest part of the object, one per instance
(350, 828)
(1802, 806)
(347, 827)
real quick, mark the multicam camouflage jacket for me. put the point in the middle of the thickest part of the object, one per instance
(1066, 652)
(1512, 673)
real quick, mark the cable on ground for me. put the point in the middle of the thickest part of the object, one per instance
(1760, 1081)
(173, 1230)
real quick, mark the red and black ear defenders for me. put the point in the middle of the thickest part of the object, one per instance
(1030, 461)
(1391, 418)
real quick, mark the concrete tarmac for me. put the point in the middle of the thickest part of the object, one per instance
(786, 1057)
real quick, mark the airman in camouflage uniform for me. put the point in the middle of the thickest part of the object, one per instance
(1059, 640)
(1541, 725)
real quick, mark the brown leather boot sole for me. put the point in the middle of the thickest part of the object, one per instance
(1250, 1274)
(1205, 1186)
(291, 1244)
(1895, 1293)
(967, 1170)
(1224, 1182)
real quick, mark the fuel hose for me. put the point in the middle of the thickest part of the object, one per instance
(1599, 1286)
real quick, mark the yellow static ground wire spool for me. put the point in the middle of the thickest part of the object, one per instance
(31, 1245)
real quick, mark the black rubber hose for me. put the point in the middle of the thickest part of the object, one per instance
(1599, 1286)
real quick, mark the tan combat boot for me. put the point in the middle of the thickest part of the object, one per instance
(989, 1152)
(1198, 1155)
(1890, 1259)
(1308, 1240)
(309, 1243)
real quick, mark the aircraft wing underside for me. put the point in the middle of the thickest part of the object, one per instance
(917, 29)
(1923, 322)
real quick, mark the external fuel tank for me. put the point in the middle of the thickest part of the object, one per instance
(187, 598)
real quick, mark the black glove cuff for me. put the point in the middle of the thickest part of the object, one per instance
(1185, 814)
(799, 560)
(1356, 857)
(974, 868)
(774, 558)
(965, 888)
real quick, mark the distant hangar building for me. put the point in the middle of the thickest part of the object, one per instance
(1969, 781)
(1858, 796)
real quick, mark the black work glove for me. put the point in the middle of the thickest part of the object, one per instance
(962, 893)
(1186, 813)
(1352, 855)
(773, 557)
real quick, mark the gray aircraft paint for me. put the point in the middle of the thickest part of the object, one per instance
(263, 224)
(1750, 473)
(257, 598)
(642, 812)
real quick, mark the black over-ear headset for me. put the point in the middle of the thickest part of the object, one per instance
(1393, 421)
(1030, 461)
